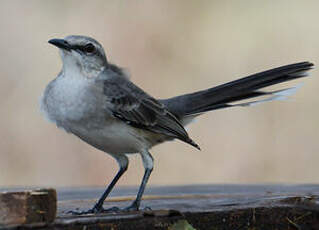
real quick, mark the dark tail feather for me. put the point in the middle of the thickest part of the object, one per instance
(244, 88)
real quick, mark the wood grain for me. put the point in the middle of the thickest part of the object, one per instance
(26, 207)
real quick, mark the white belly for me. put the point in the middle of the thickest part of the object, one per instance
(116, 137)
(80, 112)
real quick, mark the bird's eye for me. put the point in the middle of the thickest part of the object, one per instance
(89, 48)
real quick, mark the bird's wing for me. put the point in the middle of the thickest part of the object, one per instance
(132, 105)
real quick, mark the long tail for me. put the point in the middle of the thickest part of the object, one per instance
(225, 95)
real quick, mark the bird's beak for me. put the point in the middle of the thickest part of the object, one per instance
(60, 43)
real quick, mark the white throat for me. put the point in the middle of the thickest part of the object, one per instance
(71, 67)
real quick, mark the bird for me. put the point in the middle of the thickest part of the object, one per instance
(95, 100)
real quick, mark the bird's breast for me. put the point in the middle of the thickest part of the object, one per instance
(67, 100)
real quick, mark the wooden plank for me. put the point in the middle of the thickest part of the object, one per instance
(26, 207)
(195, 207)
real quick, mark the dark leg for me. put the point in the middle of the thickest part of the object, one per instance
(98, 207)
(148, 165)
(123, 163)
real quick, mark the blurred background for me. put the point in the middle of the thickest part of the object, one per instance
(169, 48)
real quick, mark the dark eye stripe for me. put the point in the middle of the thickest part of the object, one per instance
(88, 48)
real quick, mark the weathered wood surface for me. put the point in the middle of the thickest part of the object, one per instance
(203, 207)
(25, 207)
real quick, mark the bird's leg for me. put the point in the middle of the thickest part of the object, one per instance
(98, 207)
(148, 165)
(123, 163)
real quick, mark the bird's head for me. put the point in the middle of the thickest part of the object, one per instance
(81, 55)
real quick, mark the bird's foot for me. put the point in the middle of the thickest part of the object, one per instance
(96, 210)
(135, 207)
(78, 212)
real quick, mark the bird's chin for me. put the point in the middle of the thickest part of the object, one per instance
(64, 52)
(69, 55)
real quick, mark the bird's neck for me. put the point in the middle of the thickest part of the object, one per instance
(75, 70)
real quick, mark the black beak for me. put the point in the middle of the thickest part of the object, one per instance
(60, 43)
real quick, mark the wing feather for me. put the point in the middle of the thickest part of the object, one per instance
(132, 105)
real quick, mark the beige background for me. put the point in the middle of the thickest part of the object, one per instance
(170, 48)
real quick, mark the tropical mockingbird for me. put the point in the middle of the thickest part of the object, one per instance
(95, 100)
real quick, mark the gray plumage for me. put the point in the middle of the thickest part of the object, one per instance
(96, 101)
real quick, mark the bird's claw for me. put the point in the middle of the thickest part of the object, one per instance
(96, 210)
(76, 212)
